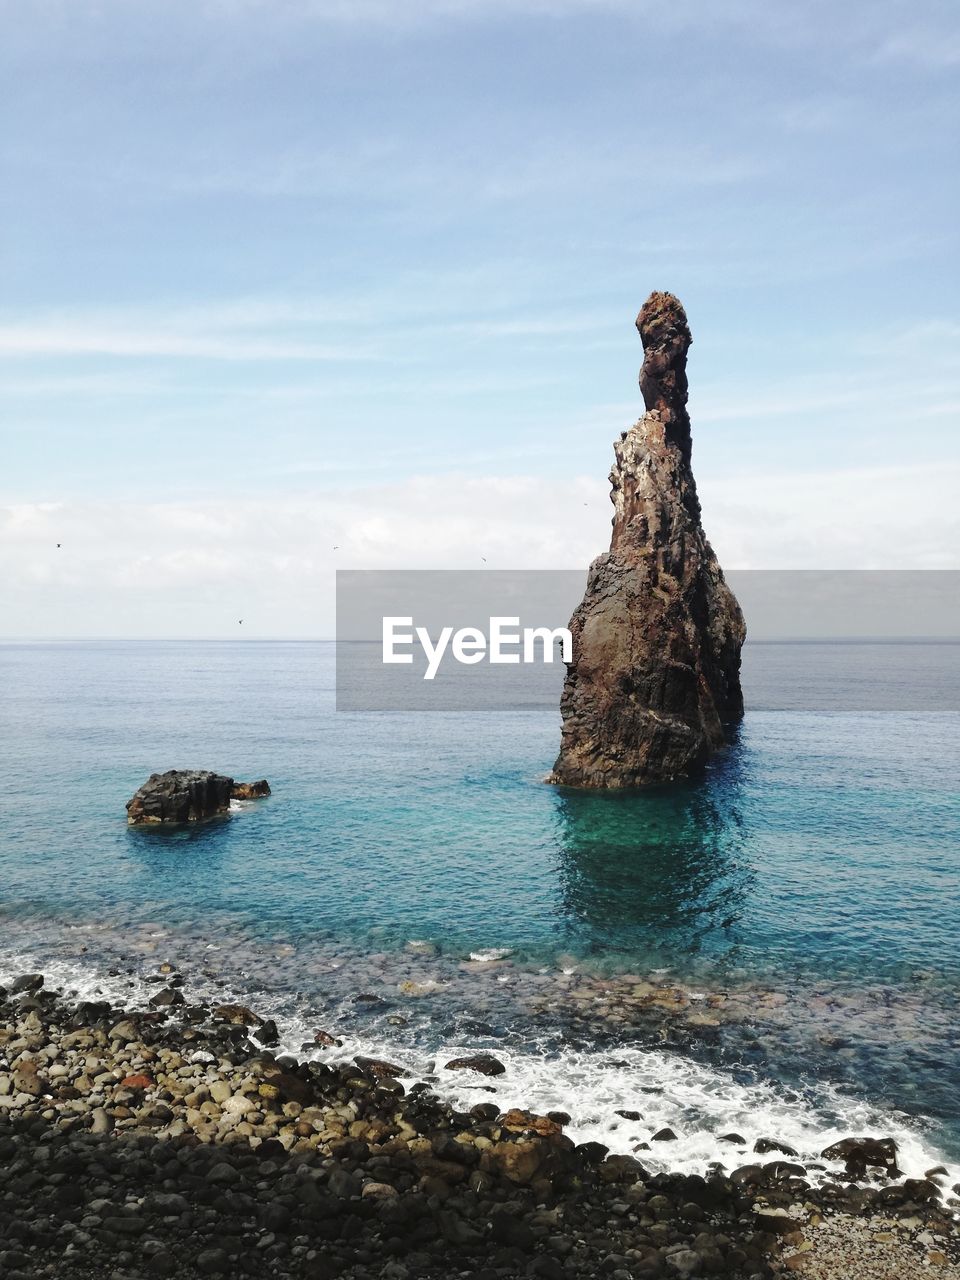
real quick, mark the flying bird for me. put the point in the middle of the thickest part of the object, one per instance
(240, 623)
(58, 544)
(484, 559)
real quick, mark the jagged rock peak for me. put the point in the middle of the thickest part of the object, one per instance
(655, 680)
(666, 338)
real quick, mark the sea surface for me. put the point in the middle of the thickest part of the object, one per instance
(805, 890)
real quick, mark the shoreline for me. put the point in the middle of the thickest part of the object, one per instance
(700, 1060)
(381, 1153)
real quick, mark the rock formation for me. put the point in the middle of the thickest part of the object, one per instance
(250, 790)
(655, 679)
(188, 795)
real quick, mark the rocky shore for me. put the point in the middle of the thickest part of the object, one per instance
(171, 1139)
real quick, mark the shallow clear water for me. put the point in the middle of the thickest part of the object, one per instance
(817, 857)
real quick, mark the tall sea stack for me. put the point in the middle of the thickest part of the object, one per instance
(655, 679)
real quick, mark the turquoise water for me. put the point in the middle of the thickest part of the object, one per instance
(819, 853)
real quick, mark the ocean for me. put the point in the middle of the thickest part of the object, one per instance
(414, 887)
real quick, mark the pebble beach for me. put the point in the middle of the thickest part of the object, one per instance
(175, 1139)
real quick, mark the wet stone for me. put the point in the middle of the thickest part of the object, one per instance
(764, 1145)
(484, 1064)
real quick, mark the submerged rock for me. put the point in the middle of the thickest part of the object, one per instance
(378, 1068)
(859, 1154)
(26, 982)
(484, 1063)
(188, 795)
(238, 1015)
(655, 679)
(763, 1146)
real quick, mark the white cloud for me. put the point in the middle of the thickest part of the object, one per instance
(895, 517)
(196, 568)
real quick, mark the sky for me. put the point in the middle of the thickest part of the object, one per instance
(287, 285)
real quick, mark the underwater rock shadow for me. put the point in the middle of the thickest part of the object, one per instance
(658, 866)
(208, 841)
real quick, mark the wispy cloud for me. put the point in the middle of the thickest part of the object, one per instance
(58, 339)
(863, 396)
(926, 48)
(354, 329)
(395, 171)
(921, 32)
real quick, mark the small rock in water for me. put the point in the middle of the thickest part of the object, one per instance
(484, 1063)
(378, 1068)
(26, 982)
(421, 948)
(325, 1039)
(237, 1015)
(664, 1135)
(166, 998)
(764, 1145)
(592, 1152)
(188, 795)
(859, 1154)
(267, 1034)
(410, 988)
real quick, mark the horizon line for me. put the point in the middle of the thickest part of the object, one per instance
(193, 639)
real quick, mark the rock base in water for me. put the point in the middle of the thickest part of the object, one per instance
(188, 795)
